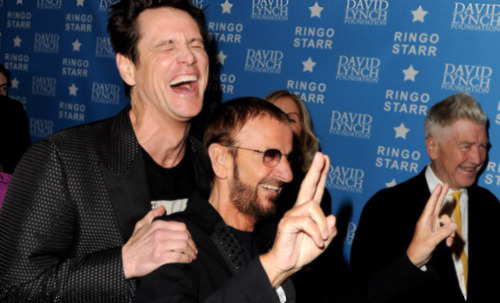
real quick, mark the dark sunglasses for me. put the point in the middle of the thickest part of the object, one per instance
(270, 157)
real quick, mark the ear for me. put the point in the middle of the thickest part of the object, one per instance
(221, 159)
(432, 147)
(126, 68)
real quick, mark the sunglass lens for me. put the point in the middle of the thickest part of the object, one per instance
(272, 157)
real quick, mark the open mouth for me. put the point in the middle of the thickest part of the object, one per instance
(275, 186)
(186, 83)
(469, 169)
(271, 187)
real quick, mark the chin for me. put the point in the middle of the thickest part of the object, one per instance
(466, 183)
(268, 210)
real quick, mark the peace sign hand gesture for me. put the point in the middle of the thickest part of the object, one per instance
(304, 232)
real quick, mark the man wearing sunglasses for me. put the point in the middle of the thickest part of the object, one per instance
(248, 142)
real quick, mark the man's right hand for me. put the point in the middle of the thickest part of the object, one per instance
(155, 243)
(431, 229)
(304, 232)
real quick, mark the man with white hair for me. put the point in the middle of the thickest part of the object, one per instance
(466, 266)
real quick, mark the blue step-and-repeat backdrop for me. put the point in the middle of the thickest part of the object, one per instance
(368, 71)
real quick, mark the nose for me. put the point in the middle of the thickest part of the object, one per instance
(477, 155)
(186, 56)
(283, 170)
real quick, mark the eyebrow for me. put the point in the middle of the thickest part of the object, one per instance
(172, 41)
(199, 39)
(486, 142)
(164, 42)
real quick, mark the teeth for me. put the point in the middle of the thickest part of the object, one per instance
(271, 187)
(183, 79)
(471, 169)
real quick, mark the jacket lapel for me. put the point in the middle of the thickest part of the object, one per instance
(125, 177)
(481, 244)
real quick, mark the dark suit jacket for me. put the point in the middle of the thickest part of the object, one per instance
(378, 255)
(14, 133)
(219, 274)
(72, 203)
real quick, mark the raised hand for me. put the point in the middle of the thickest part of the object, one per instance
(304, 232)
(155, 243)
(431, 229)
(313, 185)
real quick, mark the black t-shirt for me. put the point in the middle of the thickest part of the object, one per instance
(170, 187)
(247, 242)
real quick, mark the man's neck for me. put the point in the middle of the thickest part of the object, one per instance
(164, 141)
(433, 179)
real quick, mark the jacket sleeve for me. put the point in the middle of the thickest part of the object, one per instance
(40, 235)
(178, 283)
(380, 266)
(373, 246)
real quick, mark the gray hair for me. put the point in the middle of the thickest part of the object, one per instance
(457, 106)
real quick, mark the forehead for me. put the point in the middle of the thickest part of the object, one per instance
(265, 132)
(3, 79)
(287, 105)
(166, 22)
(464, 130)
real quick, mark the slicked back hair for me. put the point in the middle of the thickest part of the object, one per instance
(457, 106)
(124, 32)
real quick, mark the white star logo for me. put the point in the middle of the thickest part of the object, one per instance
(226, 7)
(76, 45)
(79, 2)
(17, 41)
(308, 65)
(72, 89)
(391, 184)
(221, 58)
(19, 2)
(15, 83)
(315, 10)
(401, 131)
(410, 73)
(419, 14)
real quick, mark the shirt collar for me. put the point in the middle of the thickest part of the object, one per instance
(433, 181)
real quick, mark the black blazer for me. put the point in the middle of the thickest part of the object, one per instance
(220, 272)
(14, 133)
(72, 203)
(378, 255)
